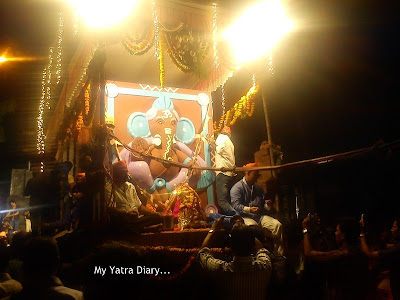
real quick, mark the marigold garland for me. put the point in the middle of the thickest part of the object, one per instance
(93, 92)
(139, 46)
(87, 100)
(178, 274)
(79, 123)
(242, 108)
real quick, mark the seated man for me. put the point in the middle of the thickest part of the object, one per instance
(244, 277)
(125, 207)
(248, 200)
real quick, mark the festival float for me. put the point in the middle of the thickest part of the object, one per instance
(142, 92)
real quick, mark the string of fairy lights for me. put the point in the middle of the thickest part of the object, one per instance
(47, 81)
(215, 43)
(156, 31)
(223, 100)
(59, 48)
(44, 103)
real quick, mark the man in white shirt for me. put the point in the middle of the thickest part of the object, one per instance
(125, 208)
(224, 158)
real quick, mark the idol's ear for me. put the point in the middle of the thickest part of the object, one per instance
(138, 125)
(185, 131)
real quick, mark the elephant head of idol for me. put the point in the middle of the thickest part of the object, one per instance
(161, 126)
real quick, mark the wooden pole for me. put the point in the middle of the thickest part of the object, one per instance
(267, 124)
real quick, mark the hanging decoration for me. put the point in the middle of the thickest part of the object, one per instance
(215, 42)
(93, 90)
(83, 110)
(242, 108)
(141, 45)
(187, 51)
(87, 100)
(79, 123)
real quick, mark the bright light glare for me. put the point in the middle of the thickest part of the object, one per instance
(103, 13)
(255, 33)
(4, 59)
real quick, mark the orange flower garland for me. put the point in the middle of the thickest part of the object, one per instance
(79, 123)
(87, 100)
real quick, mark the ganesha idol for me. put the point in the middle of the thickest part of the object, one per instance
(161, 133)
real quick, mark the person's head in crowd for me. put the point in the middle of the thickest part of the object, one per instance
(13, 204)
(80, 177)
(119, 172)
(41, 258)
(251, 176)
(19, 242)
(395, 229)
(6, 225)
(242, 240)
(347, 232)
(226, 130)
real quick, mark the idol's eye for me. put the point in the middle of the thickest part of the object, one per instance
(173, 122)
(160, 121)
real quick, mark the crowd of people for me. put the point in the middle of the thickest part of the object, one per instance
(346, 267)
(243, 255)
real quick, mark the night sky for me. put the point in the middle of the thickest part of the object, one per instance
(335, 86)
